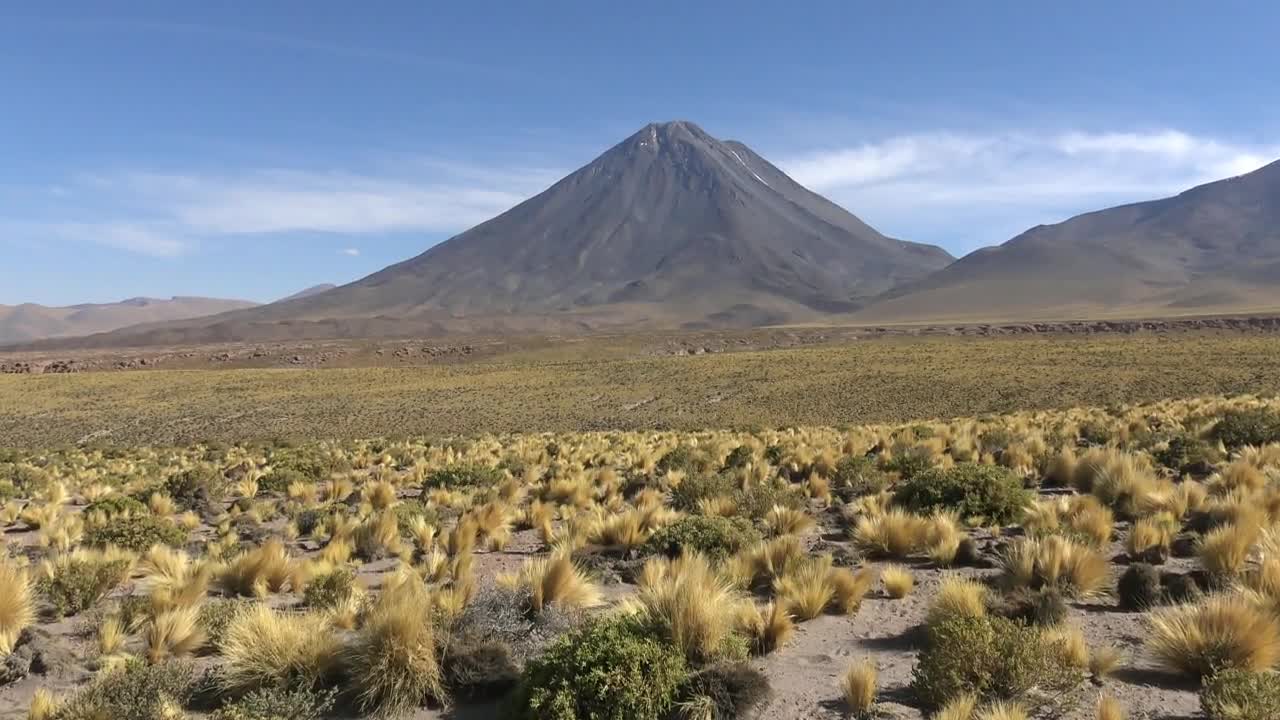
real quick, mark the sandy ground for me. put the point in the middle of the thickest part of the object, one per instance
(804, 674)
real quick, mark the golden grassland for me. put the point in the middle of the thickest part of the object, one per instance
(362, 573)
(574, 388)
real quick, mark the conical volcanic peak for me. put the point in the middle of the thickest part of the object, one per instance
(669, 228)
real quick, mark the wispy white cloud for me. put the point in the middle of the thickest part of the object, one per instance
(165, 213)
(974, 189)
(351, 252)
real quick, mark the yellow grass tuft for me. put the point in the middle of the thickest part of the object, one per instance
(1001, 710)
(1218, 632)
(786, 521)
(850, 587)
(768, 628)
(265, 647)
(17, 608)
(894, 534)
(958, 597)
(807, 590)
(393, 664)
(263, 570)
(858, 684)
(174, 633)
(554, 580)
(1224, 551)
(686, 598)
(898, 581)
(1103, 661)
(960, 707)
(1109, 708)
(1076, 569)
(44, 706)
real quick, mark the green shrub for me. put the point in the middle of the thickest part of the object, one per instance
(463, 476)
(279, 480)
(76, 584)
(278, 704)
(911, 462)
(684, 459)
(27, 480)
(758, 499)
(694, 488)
(1044, 607)
(1094, 433)
(609, 670)
(1186, 451)
(715, 537)
(1255, 426)
(137, 691)
(330, 590)
(984, 492)
(116, 506)
(1235, 694)
(990, 657)
(200, 488)
(135, 532)
(857, 475)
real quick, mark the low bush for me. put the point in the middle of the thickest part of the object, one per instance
(685, 459)
(277, 704)
(1045, 607)
(116, 506)
(200, 489)
(987, 493)
(72, 584)
(331, 590)
(1255, 427)
(911, 463)
(858, 475)
(1187, 453)
(989, 657)
(479, 668)
(463, 476)
(1139, 587)
(135, 691)
(609, 670)
(136, 533)
(695, 488)
(1241, 695)
(713, 536)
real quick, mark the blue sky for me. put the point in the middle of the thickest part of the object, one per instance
(240, 149)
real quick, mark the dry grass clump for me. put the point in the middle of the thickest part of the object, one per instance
(787, 521)
(1224, 550)
(958, 597)
(896, 534)
(768, 628)
(807, 591)
(695, 608)
(850, 587)
(1221, 631)
(17, 607)
(960, 707)
(898, 581)
(174, 633)
(554, 580)
(263, 570)
(262, 647)
(393, 665)
(1109, 708)
(1001, 710)
(858, 686)
(1075, 569)
(1150, 537)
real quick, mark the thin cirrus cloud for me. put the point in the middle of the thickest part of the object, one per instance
(968, 190)
(960, 190)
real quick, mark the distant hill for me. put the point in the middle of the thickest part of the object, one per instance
(313, 290)
(669, 228)
(19, 323)
(1212, 249)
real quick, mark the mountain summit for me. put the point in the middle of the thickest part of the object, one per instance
(669, 228)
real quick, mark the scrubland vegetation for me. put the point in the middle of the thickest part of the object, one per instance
(612, 384)
(659, 574)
